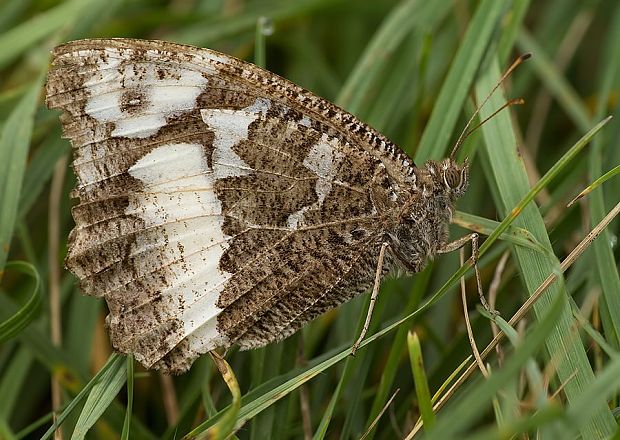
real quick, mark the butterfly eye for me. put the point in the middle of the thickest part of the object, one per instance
(452, 178)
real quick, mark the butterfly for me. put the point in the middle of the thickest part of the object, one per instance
(221, 204)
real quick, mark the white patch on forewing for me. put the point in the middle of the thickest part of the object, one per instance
(195, 283)
(230, 127)
(323, 160)
(170, 96)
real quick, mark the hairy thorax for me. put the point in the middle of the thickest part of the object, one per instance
(420, 230)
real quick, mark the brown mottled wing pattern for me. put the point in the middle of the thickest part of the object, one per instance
(219, 203)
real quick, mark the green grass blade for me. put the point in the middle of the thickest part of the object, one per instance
(16, 374)
(321, 431)
(542, 183)
(14, 145)
(5, 430)
(23, 36)
(508, 175)
(268, 398)
(130, 378)
(9, 11)
(100, 396)
(457, 84)
(263, 29)
(557, 85)
(606, 384)
(511, 30)
(37, 342)
(402, 19)
(420, 382)
(594, 334)
(518, 236)
(354, 373)
(206, 33)
(113, 364)
(24, 316)
(606, 267)
(523, 425)
(597, 182)
(40, 169)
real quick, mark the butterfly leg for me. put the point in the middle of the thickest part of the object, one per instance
(459, 243)
(373, 298)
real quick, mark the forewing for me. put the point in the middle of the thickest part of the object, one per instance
(219, 203)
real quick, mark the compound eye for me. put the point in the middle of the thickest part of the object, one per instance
(452, 178)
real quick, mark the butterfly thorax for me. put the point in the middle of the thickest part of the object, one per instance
(422, 227)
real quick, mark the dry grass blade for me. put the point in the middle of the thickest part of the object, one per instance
(54, 275)
(470, 332)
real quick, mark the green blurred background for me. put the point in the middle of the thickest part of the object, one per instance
(410, 69)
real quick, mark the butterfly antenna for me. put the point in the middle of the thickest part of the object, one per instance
(515, 101)
(506, 74)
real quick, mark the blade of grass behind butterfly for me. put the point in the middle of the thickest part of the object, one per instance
(15, 374)
(113, 362)
(40, 169)
(20, 38)
(217, 27)
(14, 146)
(103, 392)
(606, 269)
(189, 393)
(458, 82)
(10, 10)
(507, 173)
(420, 381)
(597, 182)
(407, 15)
(354, 423)
(130, 378)
(28, 312)
(549, 32)
(484, 226)
(510, 30)
(399, 88)
(555, 83)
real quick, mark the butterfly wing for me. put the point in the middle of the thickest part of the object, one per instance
(219, 203)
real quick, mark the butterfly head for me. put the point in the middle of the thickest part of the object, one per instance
(449, 177)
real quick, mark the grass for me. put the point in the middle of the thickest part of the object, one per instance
(412, 69)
